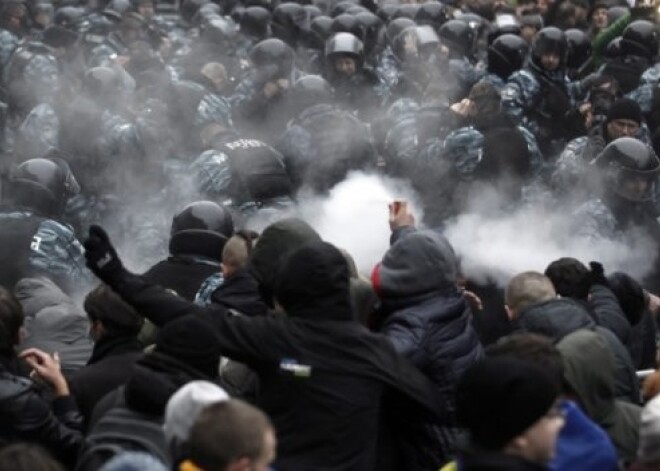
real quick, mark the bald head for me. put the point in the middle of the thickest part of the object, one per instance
(525, 289)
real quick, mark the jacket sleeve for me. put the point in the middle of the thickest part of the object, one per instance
(608, 312)
(59, 433)
(404, 332)
(240, 338)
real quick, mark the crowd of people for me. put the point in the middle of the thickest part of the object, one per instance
(234, 337)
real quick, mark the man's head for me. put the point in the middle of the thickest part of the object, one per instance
(109, 315)
(570, 277)
(232, 436)
(509, 406)
(525, 289)
(598, 15)
(235, 254)
(624, 117)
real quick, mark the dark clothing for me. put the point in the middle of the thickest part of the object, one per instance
(496, 462)
(559, 317)
(26, 416)
(428, 322)
(323, 144)
(608, 313)
(240, 292)
(109, 367)
(181, 273)
(322, 376)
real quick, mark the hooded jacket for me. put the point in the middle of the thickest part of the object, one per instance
(53, 322)
(589, 370)
(557, 318)
(323, 376)
(426, 318)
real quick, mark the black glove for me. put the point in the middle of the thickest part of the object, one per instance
(102, 257)
(598, 274)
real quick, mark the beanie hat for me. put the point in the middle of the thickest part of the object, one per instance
(625, 108)
(498, 399)
(649, 432)
(191, 340)
(185, 405)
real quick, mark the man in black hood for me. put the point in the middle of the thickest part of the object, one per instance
(323, 376)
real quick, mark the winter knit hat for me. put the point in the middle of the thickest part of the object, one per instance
(185, 405)
(649, 432)
(499, 398)
(191, 340)
(625, 108)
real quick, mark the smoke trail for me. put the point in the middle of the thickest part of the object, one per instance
(354, 216)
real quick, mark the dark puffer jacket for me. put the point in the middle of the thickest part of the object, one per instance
(425, 316)
(557, 318)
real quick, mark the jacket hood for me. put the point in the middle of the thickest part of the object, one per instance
(589, 370)
(418, 263)
(555, 318)
(155, 378)
(313, 283)
(277, 241)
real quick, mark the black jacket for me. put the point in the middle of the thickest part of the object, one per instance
(323, 376)
(26, 416)
(183, 274)
(496, 462)
(109, 367)
(240, 292)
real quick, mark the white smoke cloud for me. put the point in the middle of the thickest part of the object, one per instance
(498, 246)
(354, 216)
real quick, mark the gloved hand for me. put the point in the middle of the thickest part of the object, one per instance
(598, 274)
(102, 257)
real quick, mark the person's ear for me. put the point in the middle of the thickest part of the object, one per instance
(509, 313)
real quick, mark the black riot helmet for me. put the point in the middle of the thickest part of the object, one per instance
(319, 32)
(386, 12)
(432, 13)
(288, 21)
(311, 90)
(406, 46)
(458, 37)
(370, 24)
(219, 31)
(102, 83)
(346, 23)
(613, 48)
(406, 10)
(43, 185)
(579, 48)
(549, 40)
(254, 22)
(273, 52)
(69, 17)
(395, 27)
(640, 38)
(189, 10)
(506, 55)
(624, 164)
(201, 228)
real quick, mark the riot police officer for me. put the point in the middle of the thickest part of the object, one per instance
(33, 241)
(198, 234)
